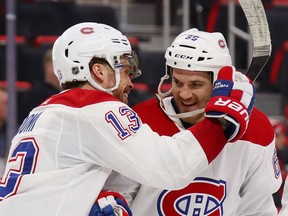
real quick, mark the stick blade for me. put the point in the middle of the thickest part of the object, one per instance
(256, 66)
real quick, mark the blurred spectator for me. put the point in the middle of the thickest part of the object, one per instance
(282, 152)
(40, 89)
(3, 118)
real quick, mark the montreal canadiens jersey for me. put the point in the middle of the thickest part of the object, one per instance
(67, 147)
(239, 181)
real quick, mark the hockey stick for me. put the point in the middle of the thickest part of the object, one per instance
(257, 21)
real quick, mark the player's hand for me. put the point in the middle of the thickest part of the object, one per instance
(231, 102)
(110, 203)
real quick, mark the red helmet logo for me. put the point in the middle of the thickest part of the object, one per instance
(87, 30)
(221, 43)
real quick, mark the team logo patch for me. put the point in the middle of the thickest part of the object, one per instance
(203, 197)
(221, 43)
(276, 165)
(87, 30)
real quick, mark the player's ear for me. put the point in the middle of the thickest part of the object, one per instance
(98, 71)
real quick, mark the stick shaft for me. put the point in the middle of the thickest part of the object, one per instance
(259, 28)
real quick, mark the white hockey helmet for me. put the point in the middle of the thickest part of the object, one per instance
(196, 51)
(74, 49)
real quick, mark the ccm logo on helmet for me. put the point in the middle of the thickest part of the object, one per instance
(232, 105)
(87, 30)
(182, 56)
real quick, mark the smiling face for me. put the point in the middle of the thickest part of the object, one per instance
(191, 91)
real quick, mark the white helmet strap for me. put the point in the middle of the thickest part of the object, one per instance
(159, 90)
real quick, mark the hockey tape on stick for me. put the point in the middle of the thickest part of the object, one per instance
(259, 28)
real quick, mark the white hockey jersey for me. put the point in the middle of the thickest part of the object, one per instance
(240, 181)
(66, 148)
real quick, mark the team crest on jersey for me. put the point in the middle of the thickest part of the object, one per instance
(276, 165)
(203, 197)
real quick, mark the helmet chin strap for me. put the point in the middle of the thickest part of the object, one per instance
(108, 90)
(161, 95)
(159, 91)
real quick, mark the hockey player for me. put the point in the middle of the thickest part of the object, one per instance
(67, 147)
(243, 177)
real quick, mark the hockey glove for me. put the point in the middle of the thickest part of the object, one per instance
(110, 203)
(231, 102)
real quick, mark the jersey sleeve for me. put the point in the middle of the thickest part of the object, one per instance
(123, 185)
(118, 140)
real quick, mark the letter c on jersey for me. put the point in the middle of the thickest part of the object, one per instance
(204, 196)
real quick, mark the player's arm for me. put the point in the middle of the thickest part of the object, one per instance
(134, 150)
(123, 185)
(231, 104)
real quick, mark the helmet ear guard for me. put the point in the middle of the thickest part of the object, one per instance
(195, 50)
(75, 48)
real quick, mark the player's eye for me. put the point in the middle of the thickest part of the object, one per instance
(176, 82)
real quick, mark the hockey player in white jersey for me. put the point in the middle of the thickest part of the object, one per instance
(243, 177)
(68, 146)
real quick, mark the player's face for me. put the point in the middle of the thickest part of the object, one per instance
(191, 91)
(125, 85)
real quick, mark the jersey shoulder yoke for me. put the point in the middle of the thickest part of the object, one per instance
(259, 129)
(78, 98)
